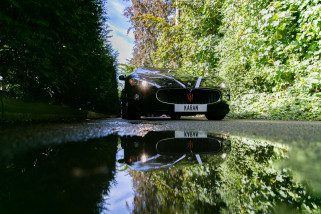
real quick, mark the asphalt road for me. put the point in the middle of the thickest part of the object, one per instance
(280, 131)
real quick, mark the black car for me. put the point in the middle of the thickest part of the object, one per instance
(152, 92)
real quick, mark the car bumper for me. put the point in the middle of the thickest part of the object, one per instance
(158, 108)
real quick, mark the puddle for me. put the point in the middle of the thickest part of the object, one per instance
(165, 172)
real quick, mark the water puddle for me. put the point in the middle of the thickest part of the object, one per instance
(165, 172)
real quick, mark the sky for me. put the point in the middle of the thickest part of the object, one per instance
(121, 41)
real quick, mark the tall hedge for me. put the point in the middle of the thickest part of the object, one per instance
(56, 51)
(270, 54)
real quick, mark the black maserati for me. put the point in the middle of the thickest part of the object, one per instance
(153, 92)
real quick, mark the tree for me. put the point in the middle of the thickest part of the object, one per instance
(144, 16)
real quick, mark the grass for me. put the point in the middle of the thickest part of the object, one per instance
(17, 110)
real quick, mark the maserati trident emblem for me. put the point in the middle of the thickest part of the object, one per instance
(189, 97)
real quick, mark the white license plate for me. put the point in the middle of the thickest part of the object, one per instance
(190, 108)
(190, 134)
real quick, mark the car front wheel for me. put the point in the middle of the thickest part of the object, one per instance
(219, 111)
(213, 116)
(175, 116)
(129, 111)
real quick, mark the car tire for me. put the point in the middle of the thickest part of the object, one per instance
(123, 110)
(175, 116)
(129, 111)
(221, 109)
(213, 116)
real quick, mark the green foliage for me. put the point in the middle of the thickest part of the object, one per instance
(144, 16)
(251, 181)
(285, 105)
(189, 43)
(55, 51)
(303, 160)
(270, 56)
(126, 69)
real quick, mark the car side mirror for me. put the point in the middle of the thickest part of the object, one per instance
(122, 77)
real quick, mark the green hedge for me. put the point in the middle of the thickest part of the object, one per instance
(57, 52)
(270, 54)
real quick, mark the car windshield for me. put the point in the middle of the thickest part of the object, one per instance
(161, 79)
(152, 71)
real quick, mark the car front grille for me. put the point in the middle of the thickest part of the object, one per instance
(186, 96)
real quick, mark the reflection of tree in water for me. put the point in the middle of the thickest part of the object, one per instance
(182, 188)
(248, 180)
(252, 181)
(68, 178)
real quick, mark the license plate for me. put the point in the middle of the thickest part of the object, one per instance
(190, 134)
(190, 108)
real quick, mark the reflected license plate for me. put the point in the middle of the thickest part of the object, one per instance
(190, 134)
(190, 108)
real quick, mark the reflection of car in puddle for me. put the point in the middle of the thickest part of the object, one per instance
(164, 149)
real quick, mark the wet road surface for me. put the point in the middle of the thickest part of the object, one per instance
(159, 165)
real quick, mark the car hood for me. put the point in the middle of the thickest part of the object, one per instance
(159, 80)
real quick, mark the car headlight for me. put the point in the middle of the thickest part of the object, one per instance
(133, 82)
(143, 158)
(144, 84)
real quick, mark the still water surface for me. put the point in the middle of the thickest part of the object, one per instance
(164, 172)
